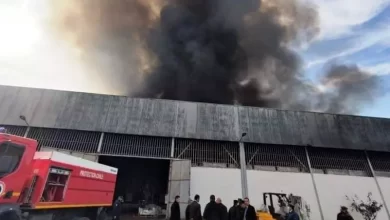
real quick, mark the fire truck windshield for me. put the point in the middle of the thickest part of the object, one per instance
(10, 157)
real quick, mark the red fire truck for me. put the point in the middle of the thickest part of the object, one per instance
(51, 185)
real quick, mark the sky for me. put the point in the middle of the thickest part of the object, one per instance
(351, 31)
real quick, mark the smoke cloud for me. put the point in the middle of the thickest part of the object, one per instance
(217, 51)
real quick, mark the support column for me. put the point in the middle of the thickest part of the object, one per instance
(99, 146)
(244, 180)
(377, 184)
(173, 147)
(100, 143)
(314, 184)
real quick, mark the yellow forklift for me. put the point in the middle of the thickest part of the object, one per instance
(269, 212)
(281, 201)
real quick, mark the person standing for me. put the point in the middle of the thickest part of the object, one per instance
(175, 209)
(344, 214)
(292, 214)
(250, 212)
(212, 210)
(188, 209)
(117, 208)
(232, 210)
(240, 211)
(194, 209)
(223, 209)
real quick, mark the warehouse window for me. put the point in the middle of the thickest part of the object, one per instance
(276, 157)
(208, 153)
(339, 161)
(380, 162)
(136, 145)
(15, 130)
(71, 140)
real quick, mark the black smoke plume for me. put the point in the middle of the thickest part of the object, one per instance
(217, 51)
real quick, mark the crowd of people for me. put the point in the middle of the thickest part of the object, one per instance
(215, 210)
(241, 210)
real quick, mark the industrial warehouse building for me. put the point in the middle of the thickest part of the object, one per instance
(170, 147)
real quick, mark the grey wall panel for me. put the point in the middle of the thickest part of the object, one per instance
(133, 117)
(375, 132)
(49, 107)
(243, 122)
(352, 132)
(141, 116)
(4, 93)
(8, 95)
(84, 112)
(257, 128)
(308, 129)
(68, 114)
(23, 101)
(262, 125)
(186, 119)
(158, 118)
(116, 118)
(70, 110)
(216, 122)
(95, 111)
(276, 129)
(328, 131)
(290, 127)
(385, 135)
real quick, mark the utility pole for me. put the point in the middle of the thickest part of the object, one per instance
(244, 180)
(23, 118)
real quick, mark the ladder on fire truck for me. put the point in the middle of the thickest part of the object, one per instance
(30, 190)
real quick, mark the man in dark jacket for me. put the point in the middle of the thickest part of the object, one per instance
(188, 209)
(344, 214)
(117, 208)
(223, 210)
(212, 210)
(250, 212)
(292, 215)
(194, 209)
(175, 209)
(240, 211)
(232, 210)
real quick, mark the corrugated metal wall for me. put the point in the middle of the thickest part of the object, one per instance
(164, 118)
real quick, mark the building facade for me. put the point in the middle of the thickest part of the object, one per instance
(323, 158)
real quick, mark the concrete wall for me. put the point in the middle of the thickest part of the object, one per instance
(384, 183)
(221, 182)
(298, 184)
(81, 111)
(333, 190)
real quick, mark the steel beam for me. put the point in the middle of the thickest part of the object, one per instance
(173, 147)
(377, 184)
(244, 180)
(100, 142)
(314, 184)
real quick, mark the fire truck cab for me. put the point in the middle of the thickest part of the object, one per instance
(50, 185)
